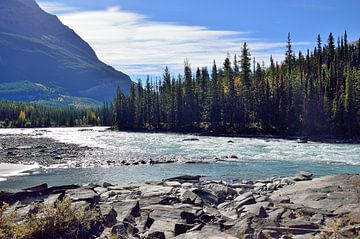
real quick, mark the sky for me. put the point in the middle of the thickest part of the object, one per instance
(141, 37)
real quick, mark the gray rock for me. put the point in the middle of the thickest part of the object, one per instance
(341, 187)
(221, 191)
(125, 208)
(169, 201)
(182, 228)
(80, 205)
(185, 178)
(22, 211)
(135, 210)
(191, 139)
(108, 194)
(242, 228)
(205, 218)
(167, 216)
(100, 190)
(187, 185)
(156, 235)
(189, 217)
(265, 234)
(53, 198)
(147, 223)
(281, 199)
(191, 198)
(302, 176)
(262, 213)
(108, 215)
(172, 183)
(246, 201)
(256, 209)
(106, 185)
(276, 215)
(119, 230)
(259, 185)
(241, 185)
(301, 224)
(82, 194)
(293, 230)
(131, 228)
(262, 198)
(207, 232)
(155, 190)
(305, 236)
(243, 196)
(317, 219)
(206, 196)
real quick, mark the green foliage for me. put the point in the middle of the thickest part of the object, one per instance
(28, 91)
(15, 114)
(60, 220)
(317, 93)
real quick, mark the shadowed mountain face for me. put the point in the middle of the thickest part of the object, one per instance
(36, 47)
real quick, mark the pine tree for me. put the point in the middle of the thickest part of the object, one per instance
(246, 81)
(215, 112)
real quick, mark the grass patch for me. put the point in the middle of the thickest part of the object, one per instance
(59, 220)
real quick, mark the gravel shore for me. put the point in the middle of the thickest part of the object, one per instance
(44, 151)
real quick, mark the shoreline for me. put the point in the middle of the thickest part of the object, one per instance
(12, 170)
(189, 207)
(301, 138)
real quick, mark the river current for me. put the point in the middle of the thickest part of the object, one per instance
(245, 158)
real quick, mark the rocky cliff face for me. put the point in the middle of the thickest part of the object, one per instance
(36, 47)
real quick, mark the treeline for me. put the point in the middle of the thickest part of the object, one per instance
(311, 93)
(14, 114)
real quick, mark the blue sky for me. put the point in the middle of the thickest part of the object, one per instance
(140, 37)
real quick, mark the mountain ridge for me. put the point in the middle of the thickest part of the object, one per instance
(35, 46)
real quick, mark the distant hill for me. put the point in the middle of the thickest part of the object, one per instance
(35, 47)
(27, 91)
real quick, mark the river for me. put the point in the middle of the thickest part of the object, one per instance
(212, 157)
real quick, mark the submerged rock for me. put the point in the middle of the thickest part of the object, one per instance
(191, 139)
(302, 176)
(185, 178)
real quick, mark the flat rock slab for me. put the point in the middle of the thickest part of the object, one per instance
(208, 232)
(327, 193)
(155, 190)
(83, 194)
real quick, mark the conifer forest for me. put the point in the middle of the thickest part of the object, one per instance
(316, 92)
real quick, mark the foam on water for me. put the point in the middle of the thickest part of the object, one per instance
(10, 170)
(137, 146)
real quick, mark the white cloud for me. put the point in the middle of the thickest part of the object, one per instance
(137, 45)
(56, 7)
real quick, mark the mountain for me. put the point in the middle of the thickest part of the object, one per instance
(37, 49)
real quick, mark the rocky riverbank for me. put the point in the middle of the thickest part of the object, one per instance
(188, 207)
(44, 151)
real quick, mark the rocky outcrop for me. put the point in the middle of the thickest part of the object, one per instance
(187, 207)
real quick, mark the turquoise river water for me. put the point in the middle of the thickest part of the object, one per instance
(256, 158)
